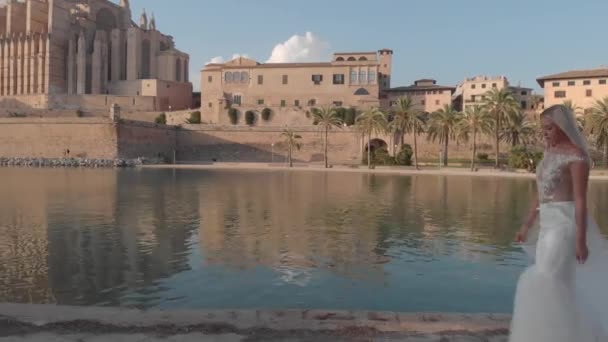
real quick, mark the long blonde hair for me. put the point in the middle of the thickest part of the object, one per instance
(564, 119)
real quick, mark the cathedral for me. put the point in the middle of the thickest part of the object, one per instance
(88, 55)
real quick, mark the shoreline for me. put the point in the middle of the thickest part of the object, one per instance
(386, 170)
(31, 320)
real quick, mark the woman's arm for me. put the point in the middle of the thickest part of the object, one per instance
(580, 181)
(533, 213)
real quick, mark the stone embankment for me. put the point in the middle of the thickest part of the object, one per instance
(77, 162)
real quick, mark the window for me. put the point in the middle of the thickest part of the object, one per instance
(589, 93)
(483, 86)
(282, 103)
(340, 59)
(571, 83)
(473, 86)
(244, 77)
(351, 59)
(555, 84)
(560, 94)
(260, 101)
(236, 99)
(524, 104)
(285, 79)
(312, 102)
(338, 78)
(260, 79)
(354, 79)
(371, 77)
(422, 102)
(440, 91)
(493, 85)
(362, 58)
(210, 104)
(338, 103)
(586, 82)
(210, 79)
(472, 98)
(296, 103)
(524, 93)
(363, 77)
(602, 82)
(437, 102)
(317, 79)
(228, 77)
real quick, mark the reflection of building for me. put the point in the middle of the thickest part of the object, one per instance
(472, 91)
(582, 87)
(350, 79)
(426, 94)
(53, 49)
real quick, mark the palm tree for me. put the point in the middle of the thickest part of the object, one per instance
(291, 140)
(372, 121)
(597, 124)
(499, 104)
(442, 127)
(535, 101)
(407, 119)
(576, 110)
(326, 118)
(474, 120)
(517, 129)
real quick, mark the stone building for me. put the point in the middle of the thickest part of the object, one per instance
(582, 87)
(471, 91)
(353, 79)
(426, 95)
(88, 54)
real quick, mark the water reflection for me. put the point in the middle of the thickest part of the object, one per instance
(164, 238)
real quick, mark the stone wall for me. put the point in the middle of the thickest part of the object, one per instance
(141, 139)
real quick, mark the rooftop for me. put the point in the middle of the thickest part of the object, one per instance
(588, 73)
(419, 88)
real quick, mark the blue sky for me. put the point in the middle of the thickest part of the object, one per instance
(442, 39)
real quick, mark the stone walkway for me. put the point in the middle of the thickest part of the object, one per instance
(33, 323)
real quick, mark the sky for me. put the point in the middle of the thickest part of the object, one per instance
(447, 40)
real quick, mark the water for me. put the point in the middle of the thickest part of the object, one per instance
(273, 239)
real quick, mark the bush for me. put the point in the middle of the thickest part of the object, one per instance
(350, 116)
(483, 157)
(233, 113)
(404, 157)
(79, 113)
(266, 114)
(195, 118)
(250, 118)
(341, 113)
(522, 158)
(161, 119)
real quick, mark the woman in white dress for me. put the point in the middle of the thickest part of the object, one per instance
(563, 297)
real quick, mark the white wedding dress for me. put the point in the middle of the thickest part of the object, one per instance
(557, 299)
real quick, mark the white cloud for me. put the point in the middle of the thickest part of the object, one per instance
(220, 59)
(306, 48)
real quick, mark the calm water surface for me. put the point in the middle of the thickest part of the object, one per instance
(274, 239)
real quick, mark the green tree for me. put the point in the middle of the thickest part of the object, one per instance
(292, 141)
(499, 104)
(442, 127)
(326, 118)
(372, 121)
(350, 116)
(474, 121)
(195, 118)
(517, 129)
(161, 119)
(597, 124)
(407, 119)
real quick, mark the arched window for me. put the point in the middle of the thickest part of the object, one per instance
(228, 77)
(340, 59)
(361, 91)
(371, 77)
(312, 102)
(362, 58)
(351, 59)
(354, 79)
(244, 77)
(363, 77)
(178, 70)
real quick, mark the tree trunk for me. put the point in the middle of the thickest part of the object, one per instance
(497, 129)
(401, 140)
(445, 151)
(606, 154)
(474, 150)
(289, 156)
(415, 150)
(326, 164)
(369, 151)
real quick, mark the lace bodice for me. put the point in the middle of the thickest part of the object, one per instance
(554, 178)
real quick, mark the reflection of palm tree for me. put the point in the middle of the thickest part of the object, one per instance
(517, 129)
(442, 127)
(475, 120)
(327, 118)
(597, 124)
(291, 140)
(373, 121)
(499, 104)
(407, 119)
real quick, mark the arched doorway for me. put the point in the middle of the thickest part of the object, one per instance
(376, 144)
